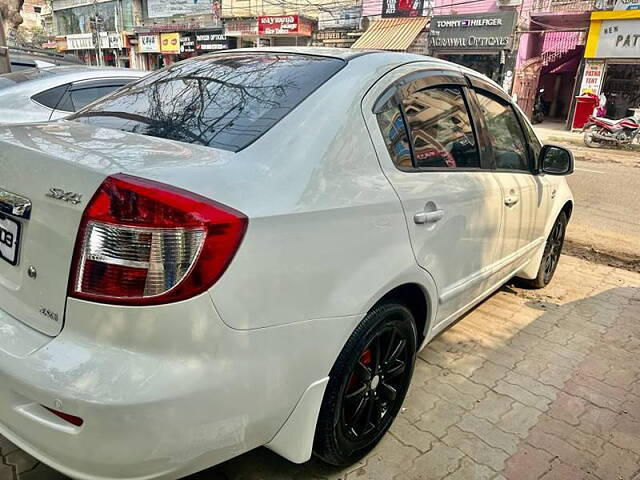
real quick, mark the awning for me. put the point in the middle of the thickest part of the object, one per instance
(392, 33)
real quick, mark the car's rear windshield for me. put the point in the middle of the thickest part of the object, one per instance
(13, 78)
(224, 100)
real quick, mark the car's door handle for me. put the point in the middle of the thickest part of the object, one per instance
(428, 217)
(511, 200)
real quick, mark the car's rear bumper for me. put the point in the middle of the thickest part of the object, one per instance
(177, 403)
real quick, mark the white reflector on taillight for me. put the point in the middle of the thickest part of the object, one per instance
(143, 242)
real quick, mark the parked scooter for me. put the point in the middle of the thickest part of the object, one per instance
(538, 108)
(600, 131)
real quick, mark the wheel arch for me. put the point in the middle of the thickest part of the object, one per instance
(416, 299)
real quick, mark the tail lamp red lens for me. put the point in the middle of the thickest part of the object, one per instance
(72, 419)
(142, 242)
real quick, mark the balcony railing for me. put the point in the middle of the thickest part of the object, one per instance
(565, 5)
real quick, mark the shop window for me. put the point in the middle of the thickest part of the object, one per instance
(506, 136)
(441, 129)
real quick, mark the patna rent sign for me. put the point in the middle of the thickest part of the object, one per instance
(483, 31)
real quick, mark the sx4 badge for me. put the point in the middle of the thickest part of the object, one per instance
(60, 194)
(49, 314)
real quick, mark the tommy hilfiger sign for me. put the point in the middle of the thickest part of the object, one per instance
(483, 31)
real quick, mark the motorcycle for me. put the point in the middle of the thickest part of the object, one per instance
(600, 131)
(538, 108)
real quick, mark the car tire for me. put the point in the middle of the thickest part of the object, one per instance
(551, 256)
(367, 385)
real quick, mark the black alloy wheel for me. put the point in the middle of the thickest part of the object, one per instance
(367, 385)
(551, 256)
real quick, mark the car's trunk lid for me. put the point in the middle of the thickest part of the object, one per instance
(58, 167)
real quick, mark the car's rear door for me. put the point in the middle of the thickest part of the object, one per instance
(429, 149)
(525, 194)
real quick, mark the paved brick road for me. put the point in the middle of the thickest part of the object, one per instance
(531, 385)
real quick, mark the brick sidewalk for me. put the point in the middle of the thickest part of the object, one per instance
(530, 385)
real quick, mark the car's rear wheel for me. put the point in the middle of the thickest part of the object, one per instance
(551, 256)
(367, 385)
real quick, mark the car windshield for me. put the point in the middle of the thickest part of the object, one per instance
(225, 100)
(13, 78)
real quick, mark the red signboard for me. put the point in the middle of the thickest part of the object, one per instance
(283, 25)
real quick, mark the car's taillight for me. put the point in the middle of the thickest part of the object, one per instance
(142, 242)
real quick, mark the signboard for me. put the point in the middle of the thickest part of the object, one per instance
(80, 41)
(237, 28)
(283, 25)
(337, 37)
(187, 43)
(170, 43)
(345, 17)
(148, 43)
(619, 39)
(62, 4)
(110, 40)
(213, 40)
(627, 5)
(166, 8)
(592, 77)
(482, 31)
(402, 8)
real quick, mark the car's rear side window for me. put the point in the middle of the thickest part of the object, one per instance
(51, 98)
(225, 101)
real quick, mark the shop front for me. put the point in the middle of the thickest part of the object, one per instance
(208, 41)
(284, 31)
(269, 31)
(148, 48)
(82, 45)
(482, 41)
(612, 62)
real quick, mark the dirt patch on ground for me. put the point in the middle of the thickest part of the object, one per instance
(627, 155)
(611, 257)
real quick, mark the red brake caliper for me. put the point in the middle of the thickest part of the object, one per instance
(366, 359)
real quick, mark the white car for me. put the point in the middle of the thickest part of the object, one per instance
(249, 248)
(51, 93)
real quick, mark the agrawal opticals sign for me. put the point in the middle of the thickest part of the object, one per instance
(484, 31)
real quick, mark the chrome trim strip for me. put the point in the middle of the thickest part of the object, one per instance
(14, 204)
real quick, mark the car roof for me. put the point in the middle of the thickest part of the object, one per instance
(91, 71)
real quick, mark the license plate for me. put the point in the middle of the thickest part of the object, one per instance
(9, 239)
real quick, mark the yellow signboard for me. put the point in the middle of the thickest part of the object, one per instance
(170, 43)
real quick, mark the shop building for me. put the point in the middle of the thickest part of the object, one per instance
(612, 60)
(270, 31)
(101, 42)
(402, 27)
(481, 41)
(158, 48)
(550, 55)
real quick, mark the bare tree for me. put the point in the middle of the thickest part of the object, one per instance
(10, 10)
(10, 18)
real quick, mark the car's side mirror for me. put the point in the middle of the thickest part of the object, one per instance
(556, 160)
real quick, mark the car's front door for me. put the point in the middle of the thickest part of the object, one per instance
(525, 195)
(429, 150)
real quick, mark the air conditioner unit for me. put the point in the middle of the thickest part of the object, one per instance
(508, 3)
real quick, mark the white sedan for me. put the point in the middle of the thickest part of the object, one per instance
(249, 248)
(50, 93)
